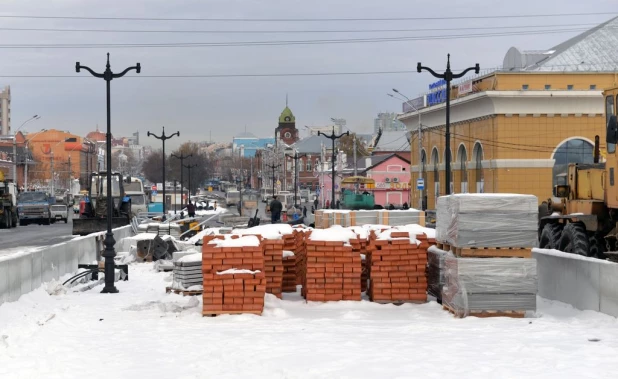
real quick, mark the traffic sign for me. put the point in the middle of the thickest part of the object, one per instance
(420, 184)
(154, 193)
(154, 187)
(159, 186)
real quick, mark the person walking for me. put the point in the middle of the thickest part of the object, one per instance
(275, 210)
(191, 209)
(305, 211)
(315, 203)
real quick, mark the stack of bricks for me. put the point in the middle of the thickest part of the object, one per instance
(300, 251)
(273, 265)
(332, 272)
(397, 269)
(226, 290)
(289, 272)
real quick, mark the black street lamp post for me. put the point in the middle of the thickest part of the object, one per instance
(296, 157)
(333, 137)
(164, 138)
(182, 158)
(273, 167)
(189, 167)
(109, 241)
(448, 76)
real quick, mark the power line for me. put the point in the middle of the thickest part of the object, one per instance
(256, 31)
(282, 42)
(226, 75)
(215, 19)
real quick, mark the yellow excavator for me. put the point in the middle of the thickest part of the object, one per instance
(585, 219)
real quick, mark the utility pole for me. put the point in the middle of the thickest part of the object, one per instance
(163, 138)
(175, 188)
(51, 183)
(190, 167)
(448, 77)
(354, 142)
(182, 157)
(242, 184)
(333, 137)
(322, 158)
(295, 157)
(70, 175)
(273, 167)
(109, 242)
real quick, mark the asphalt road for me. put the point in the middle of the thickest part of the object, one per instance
(31, 236)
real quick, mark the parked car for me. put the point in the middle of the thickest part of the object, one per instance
(60, 212)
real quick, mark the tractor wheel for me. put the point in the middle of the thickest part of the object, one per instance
(550, 236)
(9, 220)
(597, 246)
(5, 220)
(574, 239)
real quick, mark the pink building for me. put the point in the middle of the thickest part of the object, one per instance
(392, 180)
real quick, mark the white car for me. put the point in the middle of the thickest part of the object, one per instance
(60, 212)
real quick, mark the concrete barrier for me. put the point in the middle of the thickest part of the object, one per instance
(585, 283)
(23, 272)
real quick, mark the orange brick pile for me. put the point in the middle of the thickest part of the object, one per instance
(289, 274)
(232, 293)
(331, 272)
(273, 266)
(397, 269)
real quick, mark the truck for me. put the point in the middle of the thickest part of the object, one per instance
(93, 207)
(34, 207)
(582, 218)
(8, 203)
(60, 212)
(134, 188)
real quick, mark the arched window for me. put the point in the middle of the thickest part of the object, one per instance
(435, 160)
(574, 150)
(462, 158)
(477, 155)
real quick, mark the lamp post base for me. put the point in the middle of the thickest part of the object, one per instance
(109, 267)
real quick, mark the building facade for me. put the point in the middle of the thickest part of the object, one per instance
(5, 111)
(392, 178)
(387, 122)
(515, 130)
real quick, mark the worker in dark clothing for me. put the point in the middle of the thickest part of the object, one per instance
(275, 210)
(315, 203)
(191, 209)
(305, 211)
(338, 204)
(391, 207)
(405, 206)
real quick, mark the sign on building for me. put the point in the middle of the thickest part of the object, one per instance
(415, 104)
(438, 93)
(465, 87)
(420, 184)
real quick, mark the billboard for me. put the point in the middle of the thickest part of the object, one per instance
(414, 104)
(465, 87)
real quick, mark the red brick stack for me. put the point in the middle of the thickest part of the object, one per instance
(273, 265)
(232, 293)
(300, 251)
(332, 272)
(289, 272)
(397, 269)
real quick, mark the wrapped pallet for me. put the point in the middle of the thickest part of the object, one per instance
(435, 271)
(480, 286)
(487, 220)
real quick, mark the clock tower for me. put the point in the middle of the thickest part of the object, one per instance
(286, 131)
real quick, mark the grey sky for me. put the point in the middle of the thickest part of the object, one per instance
(224, 106)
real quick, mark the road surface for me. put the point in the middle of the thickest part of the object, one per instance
(31, 236)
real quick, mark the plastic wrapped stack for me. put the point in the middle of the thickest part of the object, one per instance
(435, 272)
(332, 270)
(188, 272)
(234, 278)
(490, 286)
(289, 272)
(487, 220)
(273, 265)
(397, 268)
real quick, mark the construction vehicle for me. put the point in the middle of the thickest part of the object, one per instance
(34, 207)
(8, 203)
(93, 207)
(585, 219)
(354, 194)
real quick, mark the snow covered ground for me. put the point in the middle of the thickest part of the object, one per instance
(142, 332)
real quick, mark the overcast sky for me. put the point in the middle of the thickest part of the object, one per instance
(225, 106)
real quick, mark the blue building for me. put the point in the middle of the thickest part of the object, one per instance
(248, 144)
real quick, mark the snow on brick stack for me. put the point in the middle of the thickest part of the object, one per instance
(332, 269)
(234, 278)
(397, 268)
(289, 272)
(273, 265)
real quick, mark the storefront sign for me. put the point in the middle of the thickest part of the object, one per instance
(393, 186)
(415, 104)
(465, 87)
(438, 94)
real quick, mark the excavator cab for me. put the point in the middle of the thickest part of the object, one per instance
(93, 217)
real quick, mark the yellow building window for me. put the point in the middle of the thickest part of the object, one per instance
(570, 87)
(547, 86)
(524, 87)
(593, 86)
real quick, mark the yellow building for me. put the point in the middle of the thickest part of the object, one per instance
(516, 129)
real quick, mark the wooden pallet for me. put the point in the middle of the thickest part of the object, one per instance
(182, 292)
(215, 314)
(485, 314)
(398, 302)
(493, 252)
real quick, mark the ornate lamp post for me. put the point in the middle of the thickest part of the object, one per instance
(164, 138)
(333, 137)
(448, 76)
(109, 242)
(182, 158)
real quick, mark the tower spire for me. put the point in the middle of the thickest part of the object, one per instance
(286, 99)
